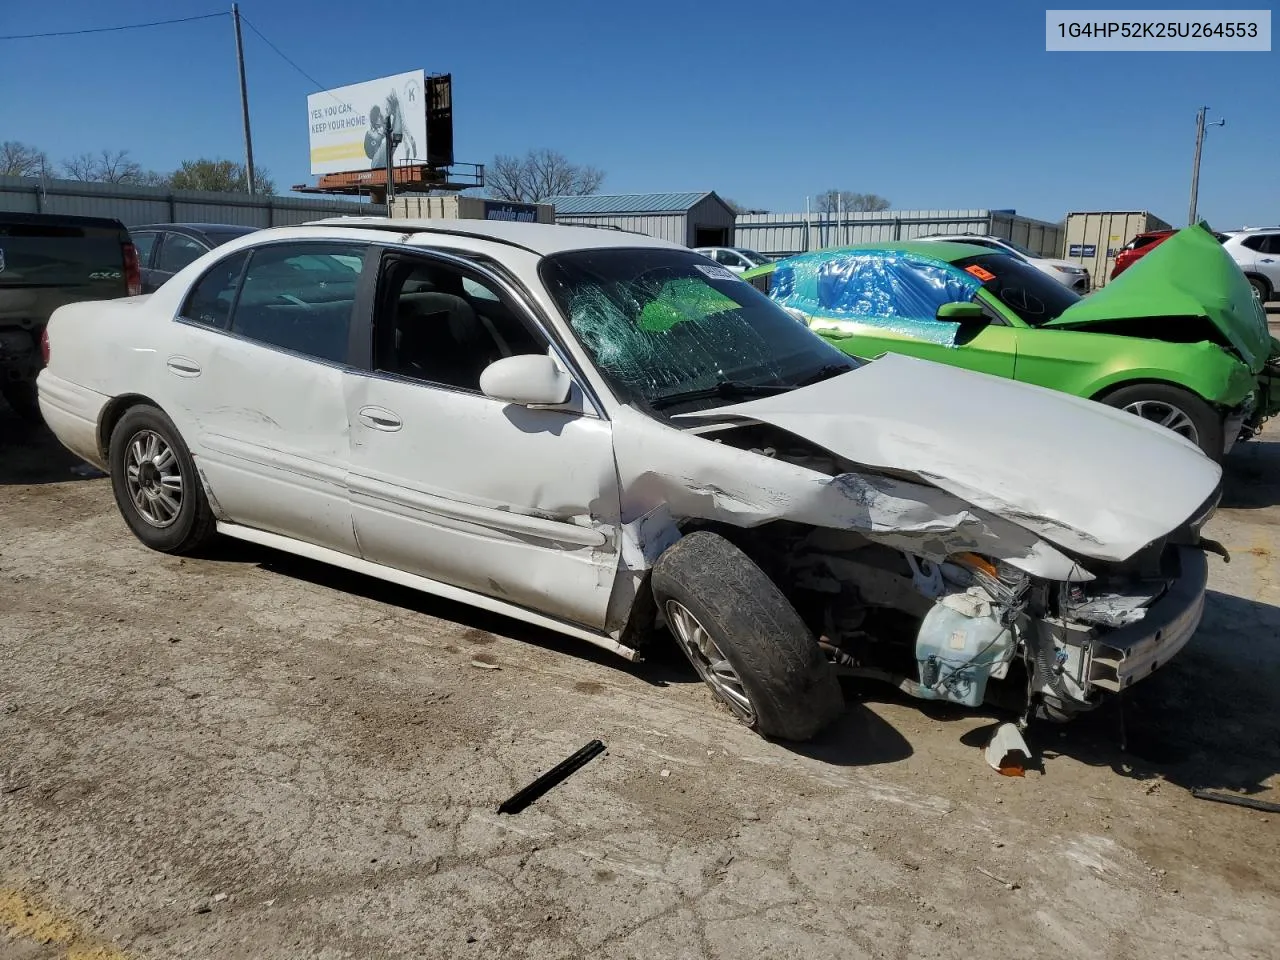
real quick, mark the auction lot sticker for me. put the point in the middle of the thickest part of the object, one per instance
(1157, 30)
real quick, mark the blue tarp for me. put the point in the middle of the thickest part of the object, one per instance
(883, 288)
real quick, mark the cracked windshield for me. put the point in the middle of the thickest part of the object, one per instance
(668, 328)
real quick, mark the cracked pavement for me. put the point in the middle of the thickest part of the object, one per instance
(252, 755)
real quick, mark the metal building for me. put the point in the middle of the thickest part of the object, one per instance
(693, 219)
(1094, 237)
(785, 234)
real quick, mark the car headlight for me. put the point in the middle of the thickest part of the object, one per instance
(1067, 269)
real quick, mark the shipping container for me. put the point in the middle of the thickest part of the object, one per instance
(1094, 237)
(455, 207)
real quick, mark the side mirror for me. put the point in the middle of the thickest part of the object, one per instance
(532, 379)
(960, 313)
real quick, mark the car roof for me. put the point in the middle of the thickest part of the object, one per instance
(540, 238)
(238, 229)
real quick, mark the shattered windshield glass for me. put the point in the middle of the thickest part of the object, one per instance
(662, 324)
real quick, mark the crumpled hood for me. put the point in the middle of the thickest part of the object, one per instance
(1188, 275)
(1083, 476)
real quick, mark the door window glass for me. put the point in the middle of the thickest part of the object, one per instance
(438, 325)
(177, 251)
(144, 243)
(299, 297)
(210, 300)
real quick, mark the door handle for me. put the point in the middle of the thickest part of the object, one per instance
(1266, 260)
(183, 367)
(380, 418)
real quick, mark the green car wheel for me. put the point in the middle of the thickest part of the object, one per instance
(1178, 410)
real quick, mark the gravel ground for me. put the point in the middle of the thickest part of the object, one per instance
(249, 755)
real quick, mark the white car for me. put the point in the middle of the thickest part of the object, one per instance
(601, 433)
(1257, 251)
(1069, 274)
(737, 259)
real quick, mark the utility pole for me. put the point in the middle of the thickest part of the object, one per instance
(390, 146)
(244, 101)
(1195, 166)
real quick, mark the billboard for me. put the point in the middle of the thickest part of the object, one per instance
(348, 124)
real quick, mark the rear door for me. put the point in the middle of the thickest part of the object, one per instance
(1268, 259)
(255, 385)
(516, 503)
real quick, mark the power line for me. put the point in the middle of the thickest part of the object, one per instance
(281, 53)
(127, 26)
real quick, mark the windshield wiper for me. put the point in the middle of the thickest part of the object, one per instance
(825, 373)
(725, 389)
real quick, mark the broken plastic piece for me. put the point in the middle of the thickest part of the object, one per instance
(1007, 753)
(1236, 800)
(559, 772)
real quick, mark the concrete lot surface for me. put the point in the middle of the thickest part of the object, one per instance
(251, 756)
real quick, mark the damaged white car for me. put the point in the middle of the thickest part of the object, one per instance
(604, 434)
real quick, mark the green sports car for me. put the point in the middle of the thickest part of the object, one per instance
(1179, 338)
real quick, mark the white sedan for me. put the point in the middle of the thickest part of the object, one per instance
(605, 434)
(1070, 275)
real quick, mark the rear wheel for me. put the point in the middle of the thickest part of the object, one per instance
(22, 397)
(155, 483)
(1176, 409)
(745, 639)
(1261, 289)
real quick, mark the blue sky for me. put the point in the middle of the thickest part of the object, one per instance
(933, 105)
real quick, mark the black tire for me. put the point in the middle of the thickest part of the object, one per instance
(1261, 289)
(792, 690)
(192, 524)
(1207, 422)
(22, 397)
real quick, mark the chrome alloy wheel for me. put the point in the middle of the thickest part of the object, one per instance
(711, 664)
(153, 478)
(1167, 415)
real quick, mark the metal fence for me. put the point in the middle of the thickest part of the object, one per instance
(134, 205)
(784, 234)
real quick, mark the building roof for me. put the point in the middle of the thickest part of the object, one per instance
(628, 203)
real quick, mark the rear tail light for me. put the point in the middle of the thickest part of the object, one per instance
(44, 345)
(132, 270)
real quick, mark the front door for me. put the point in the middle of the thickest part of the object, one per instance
(254, 382)
(516, 503)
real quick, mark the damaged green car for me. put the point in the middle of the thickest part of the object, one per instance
(1178, 339)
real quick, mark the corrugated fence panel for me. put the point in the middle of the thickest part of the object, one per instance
(133, 205)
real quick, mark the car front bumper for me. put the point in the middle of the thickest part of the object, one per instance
(1125, 655)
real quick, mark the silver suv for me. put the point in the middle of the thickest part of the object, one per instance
(1257, 251)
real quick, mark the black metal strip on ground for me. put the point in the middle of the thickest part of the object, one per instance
(1237, 800)
(553, 776)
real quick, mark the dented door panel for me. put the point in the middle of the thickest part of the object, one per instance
(514, 503)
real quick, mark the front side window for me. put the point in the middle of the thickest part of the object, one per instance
(210, 301)
(661, 324)
(1256, 242)
(299, 297)
(177, 251)
(441, 326)
(1034, 296)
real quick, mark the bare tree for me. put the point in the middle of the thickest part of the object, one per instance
(831, 201)
(225, 176)
(106, 166)
(539, 174)
(22, 160)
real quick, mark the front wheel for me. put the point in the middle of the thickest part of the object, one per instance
(155, 483)
(745, 639)
(1261, 289)
(1176, 409)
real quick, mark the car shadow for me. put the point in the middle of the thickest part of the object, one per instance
(31, 454)
(857, 738)
(1251, 475)
(663, 664)
(1210, 719)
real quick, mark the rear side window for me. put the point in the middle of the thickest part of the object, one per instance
(145, 243)
(177, 251)
(210, 301)
(299, 297)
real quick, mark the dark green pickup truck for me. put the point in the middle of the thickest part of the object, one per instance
(47, 261)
